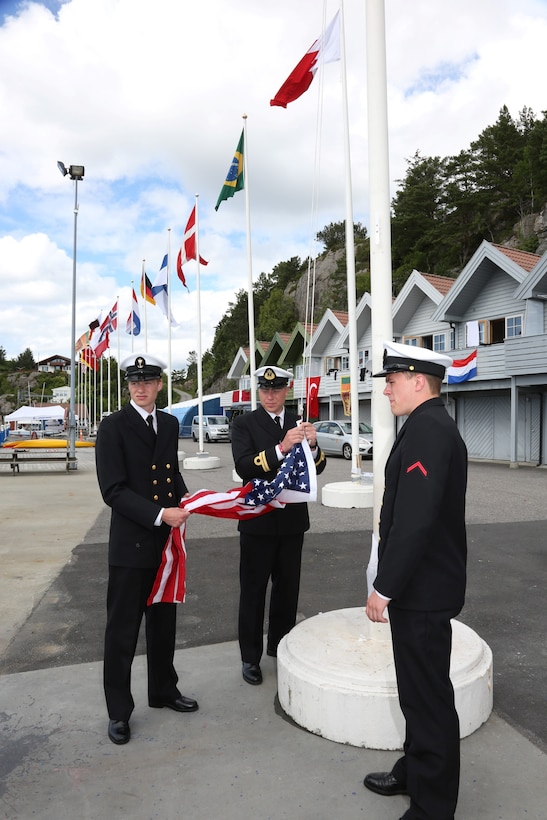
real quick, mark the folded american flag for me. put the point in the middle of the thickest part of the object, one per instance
(295, 482)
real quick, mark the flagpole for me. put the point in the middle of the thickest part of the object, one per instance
(118, 362)
(108, 381)
(250, 298)
(169, 378)
(380, 237)
(132, 327)
(143, 294)
(350, 264)
(199, 371)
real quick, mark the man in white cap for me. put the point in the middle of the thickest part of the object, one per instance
(139, 478)
(270, 545)
(421, 578)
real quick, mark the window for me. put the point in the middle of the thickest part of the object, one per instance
(364, 355)
(495, 331)
(513, 327)
(439, 342)
(412, 341)
(344, 362)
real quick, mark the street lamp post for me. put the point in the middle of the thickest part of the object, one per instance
(76, 172)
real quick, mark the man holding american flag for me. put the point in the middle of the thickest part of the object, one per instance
(270, 545)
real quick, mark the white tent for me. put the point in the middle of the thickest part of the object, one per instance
(36, 413)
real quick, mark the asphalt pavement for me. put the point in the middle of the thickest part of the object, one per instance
(240, 755)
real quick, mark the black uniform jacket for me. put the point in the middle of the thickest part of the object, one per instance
(423, 550)
(254, 438)
(136, 481)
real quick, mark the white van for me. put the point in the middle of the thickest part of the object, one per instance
(215, 428)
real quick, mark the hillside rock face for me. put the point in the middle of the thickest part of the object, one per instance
(325, 268)
(529, 226)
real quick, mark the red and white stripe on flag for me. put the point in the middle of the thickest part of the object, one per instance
(170, 583)
(295, 482)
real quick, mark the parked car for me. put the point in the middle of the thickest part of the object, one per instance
(334, 438)
(215, 428)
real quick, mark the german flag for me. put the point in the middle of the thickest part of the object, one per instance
(146, 289)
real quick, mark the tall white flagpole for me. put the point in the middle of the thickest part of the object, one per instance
(199, 370)
(108, 381)
(118, 362)
(143, 294)
(169, 377)
(350, 264)
(250, 298)
(131, 326)
(380, 244)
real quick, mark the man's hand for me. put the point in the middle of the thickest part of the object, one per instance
(295, 435)
(375, 608)
(174, 516)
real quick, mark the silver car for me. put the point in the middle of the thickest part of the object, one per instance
(334, 438)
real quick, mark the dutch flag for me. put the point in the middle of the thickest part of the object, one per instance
(462, 370)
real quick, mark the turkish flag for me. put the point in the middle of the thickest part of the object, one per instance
(312, 396)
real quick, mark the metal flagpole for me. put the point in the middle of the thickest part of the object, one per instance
(169, 377)
(380, 239)
(199, 370)
(350, 266)
(143, 294)
(118, 362)
(250, 299)
(131, 326)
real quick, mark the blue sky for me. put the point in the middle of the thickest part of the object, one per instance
(152, 103)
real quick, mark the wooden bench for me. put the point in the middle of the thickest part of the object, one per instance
(17, 457)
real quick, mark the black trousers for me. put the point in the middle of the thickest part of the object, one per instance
(261, 558)
(430, 767)
(128, 590)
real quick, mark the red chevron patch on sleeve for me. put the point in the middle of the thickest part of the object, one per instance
(417, 466)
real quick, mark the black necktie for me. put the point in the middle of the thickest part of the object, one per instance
(277, 421)
(150, 422)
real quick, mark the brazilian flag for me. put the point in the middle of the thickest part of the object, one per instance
(234, 178)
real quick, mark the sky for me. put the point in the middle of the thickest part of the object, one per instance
(150, 99)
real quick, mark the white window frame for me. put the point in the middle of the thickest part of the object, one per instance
(439, 342)
(512, 318)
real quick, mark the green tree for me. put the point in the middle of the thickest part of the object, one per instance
(333, 236)
(278, 313)
(25, 360)
(418, 212)
(498, 150)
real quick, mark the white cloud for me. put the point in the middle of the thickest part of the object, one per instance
(151, 102)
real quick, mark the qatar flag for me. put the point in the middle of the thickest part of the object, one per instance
(326, 49)
(188, 248)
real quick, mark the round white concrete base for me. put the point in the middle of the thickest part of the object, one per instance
(201, 461)
(347, 494)
(181, 455)
(336, 678)
(236, 478)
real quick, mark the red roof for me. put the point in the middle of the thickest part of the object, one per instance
(525, 260)
(440, 283)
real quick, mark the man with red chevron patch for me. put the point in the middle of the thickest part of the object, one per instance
(421, 578)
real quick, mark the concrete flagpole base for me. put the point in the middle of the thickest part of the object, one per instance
(336, 678)
(201, 461)
(347, 494)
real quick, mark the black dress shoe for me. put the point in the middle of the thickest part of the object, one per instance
(384, 783)
(252, 674)
(180, 704)
(119, 732)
